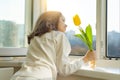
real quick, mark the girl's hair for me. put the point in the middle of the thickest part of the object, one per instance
(46, 22)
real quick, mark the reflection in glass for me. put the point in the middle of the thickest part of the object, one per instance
(113, 28)
(12, 29)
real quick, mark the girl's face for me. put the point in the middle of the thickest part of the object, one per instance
(61, 24)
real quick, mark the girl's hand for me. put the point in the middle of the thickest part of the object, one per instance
(90, 57)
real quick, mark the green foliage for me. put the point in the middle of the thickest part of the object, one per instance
(86, 36)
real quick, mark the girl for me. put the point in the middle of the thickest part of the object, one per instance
(48, 50)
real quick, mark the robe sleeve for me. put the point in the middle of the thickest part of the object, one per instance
(63, 49)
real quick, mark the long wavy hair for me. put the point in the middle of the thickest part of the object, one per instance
(46, 22)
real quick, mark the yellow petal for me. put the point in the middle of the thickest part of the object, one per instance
(76, 20)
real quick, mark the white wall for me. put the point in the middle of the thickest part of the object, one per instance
(6, 73)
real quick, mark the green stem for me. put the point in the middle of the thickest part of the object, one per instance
(87, 40)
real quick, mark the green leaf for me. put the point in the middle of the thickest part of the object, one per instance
(89, 33)
(80, 36)
(86, 36)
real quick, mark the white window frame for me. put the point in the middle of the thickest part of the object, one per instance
(12, 52)
(102, 60)
(33, 8)
(31, 16)
(100, 29)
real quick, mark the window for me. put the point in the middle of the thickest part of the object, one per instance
(86, 9)
(15, 25)
(113, 28)
(12, 23)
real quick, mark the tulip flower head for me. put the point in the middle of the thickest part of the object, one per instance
(76, 20)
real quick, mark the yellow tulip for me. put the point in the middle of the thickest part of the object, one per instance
(76, 20)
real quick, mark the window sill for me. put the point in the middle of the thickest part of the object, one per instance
(100, 73)
(105, 69)
(14, 62)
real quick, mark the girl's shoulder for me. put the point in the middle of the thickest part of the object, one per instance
(58, 34)
(53, 35)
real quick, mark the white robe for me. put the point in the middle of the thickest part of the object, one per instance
(47, 56)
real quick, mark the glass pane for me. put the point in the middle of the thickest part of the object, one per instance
(86, 9)
(12, 27)
(113, 28)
